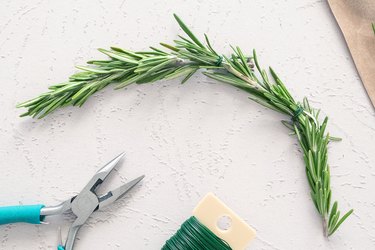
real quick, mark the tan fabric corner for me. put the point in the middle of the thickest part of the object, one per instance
(354, 18)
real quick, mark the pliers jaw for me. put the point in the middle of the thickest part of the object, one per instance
(87, 201)
(100, 176)
(111, 196)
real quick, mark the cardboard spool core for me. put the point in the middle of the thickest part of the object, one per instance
(210, 210)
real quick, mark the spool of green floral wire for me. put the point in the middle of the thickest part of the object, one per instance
(193, 235)
(212, 226)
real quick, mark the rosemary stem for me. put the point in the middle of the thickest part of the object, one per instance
(325, 225)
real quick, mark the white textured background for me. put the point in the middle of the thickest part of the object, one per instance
(188, 139)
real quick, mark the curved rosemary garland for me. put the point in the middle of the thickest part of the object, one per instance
(188, 55)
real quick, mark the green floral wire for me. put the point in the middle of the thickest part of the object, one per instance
(297, 113)
(193, 235)
(219, 61)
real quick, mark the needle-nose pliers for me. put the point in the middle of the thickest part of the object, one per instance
(81, 205)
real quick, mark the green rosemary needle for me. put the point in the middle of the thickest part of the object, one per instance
(184, 58)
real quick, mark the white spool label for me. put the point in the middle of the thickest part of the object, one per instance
(210, 210)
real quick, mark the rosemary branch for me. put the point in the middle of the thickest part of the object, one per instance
(184, 58)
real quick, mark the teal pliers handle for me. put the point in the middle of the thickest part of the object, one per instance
(27, 213)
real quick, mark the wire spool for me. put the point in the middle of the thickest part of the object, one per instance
(203, 230)
(193, 235)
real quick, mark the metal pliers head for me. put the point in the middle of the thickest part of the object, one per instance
(87, 201)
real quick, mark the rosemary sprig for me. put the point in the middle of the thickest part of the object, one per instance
(184, 58)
